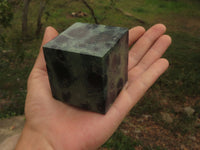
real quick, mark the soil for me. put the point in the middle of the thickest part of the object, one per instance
(152, 135)
(10, 130)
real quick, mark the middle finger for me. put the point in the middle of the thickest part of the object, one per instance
(144, 43)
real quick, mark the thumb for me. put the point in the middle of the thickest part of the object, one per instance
(50, 33)
(36, 77)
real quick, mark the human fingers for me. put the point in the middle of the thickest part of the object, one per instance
(49, 34)
(144, 43)
(133, 91)
(138, 87)
(155, 52)
(134, 34)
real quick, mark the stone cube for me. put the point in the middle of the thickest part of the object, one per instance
(87, 65)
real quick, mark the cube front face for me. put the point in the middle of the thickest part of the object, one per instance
(76, 79)
(87, 80)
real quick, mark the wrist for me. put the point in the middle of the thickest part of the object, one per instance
(32, 139)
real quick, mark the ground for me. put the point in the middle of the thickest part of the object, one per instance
(154, 136)
(10, 130)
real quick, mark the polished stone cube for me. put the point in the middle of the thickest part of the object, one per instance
(87, 65)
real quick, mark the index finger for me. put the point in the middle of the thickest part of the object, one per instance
(135, 33)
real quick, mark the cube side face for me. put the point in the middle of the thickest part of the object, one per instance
(116, 70)
(76, 79)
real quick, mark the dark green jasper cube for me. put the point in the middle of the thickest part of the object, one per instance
(87, 65)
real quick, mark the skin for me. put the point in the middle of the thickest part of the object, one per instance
(50, 124)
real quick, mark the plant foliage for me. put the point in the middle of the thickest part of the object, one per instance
(6, 13)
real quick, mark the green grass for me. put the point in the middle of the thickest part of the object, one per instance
(184, 72)
(119, 141)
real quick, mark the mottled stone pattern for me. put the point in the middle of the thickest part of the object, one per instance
(117, 70)
(87, 65)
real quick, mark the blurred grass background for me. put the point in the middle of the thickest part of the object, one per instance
(176, 90)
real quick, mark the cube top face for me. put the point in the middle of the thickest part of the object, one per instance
(87, 39)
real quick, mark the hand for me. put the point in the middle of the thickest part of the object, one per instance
(50, 124)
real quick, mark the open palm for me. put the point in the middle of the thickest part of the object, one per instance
(60, 126)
